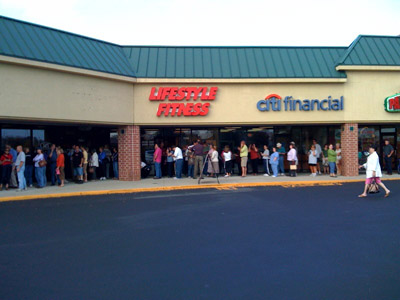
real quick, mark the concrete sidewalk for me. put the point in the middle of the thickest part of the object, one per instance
(168, 184)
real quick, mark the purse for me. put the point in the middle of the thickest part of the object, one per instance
(42, 163)
(373, 188)
(293, 167)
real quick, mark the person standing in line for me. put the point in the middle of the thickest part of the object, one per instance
(102, 163)
(60, 165)
(85, 163)
(77, 159)
(244, 156)
(332, 160)
(115, 162)
(374, 172)
(53, 164)
(28, 167)
(292, 158)
(254, 157)
(170, 162)
(227, 156)
(198, 150)
(13, 178)
(94, 163)
(387, 155)
(107, 161)
(274, 160)
(319, 152)
(6, 161)
(282, 151)
(325, 162)
(338, 151)
(178, 157)
(265, 157)
(157, 157)
(191, 161)
(312, 160)
(39, 168)
(20, 168)
(213, 162)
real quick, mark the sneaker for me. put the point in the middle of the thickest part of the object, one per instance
(266, 175)
(226, 176)
(31, 186)
(274, 176)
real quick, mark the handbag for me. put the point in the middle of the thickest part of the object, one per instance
(293, 167)
(373, 188)
(57, 171)
(42, 163)
(91, 170)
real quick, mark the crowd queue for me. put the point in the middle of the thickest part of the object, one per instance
(20, 166)
(204, 159)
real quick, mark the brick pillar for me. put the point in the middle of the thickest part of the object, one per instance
(129, 153)
(349, 149)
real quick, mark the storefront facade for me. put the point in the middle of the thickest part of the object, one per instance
(102, 93)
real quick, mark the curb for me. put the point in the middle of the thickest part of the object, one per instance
(224, 186)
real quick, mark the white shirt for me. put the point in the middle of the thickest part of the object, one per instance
(318, 150)
(312, 159)
(94, 160)
(178, 153)
(214, 156)
(373, 165)
(266, 153)
(227, 155)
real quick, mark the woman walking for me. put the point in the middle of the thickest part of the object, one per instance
(40, 168)
(213, 162)
(60, 164)
(292, 158)
(313, 160)
(338, 151)
(227, 157)
(265, 157)
(254, 156)
(274, 160)
(332, 160)
(374, 172)
(6, 162)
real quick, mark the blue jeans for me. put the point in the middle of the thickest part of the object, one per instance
(29, 174)
(157, 166)
(266, 166)
(21, 178)
(40, 175)
(179, 166)
(274, 169)
(115, 169)
(281, 168)
(190, 170)
(53, 175)
(332, 167)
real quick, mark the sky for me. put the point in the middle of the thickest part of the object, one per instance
(214, 22)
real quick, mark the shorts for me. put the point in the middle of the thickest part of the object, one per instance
(243, 161)
(312, 165)
(372, 179)
(78, 171)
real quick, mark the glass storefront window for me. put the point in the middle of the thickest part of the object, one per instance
(15, 137)
(38, 137)
(368, 135)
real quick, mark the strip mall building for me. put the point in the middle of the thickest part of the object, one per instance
(65, 88)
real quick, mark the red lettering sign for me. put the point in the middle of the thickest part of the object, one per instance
(176, 95)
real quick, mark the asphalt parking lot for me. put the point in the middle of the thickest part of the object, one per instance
(250, 243)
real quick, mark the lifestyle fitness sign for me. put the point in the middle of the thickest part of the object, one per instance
(274, 102)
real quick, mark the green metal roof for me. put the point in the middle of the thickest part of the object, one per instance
(30, 41)
(235, 62)
(373, 50)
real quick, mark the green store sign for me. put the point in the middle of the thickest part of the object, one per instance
(392, 103)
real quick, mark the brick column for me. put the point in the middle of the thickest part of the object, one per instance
(350, 149)
(129, 153)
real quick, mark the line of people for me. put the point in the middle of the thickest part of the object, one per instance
(20, 166)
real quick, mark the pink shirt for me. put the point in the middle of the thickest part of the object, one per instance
(158, 153)
(292, 155)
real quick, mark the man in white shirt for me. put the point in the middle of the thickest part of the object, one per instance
(20, 168)
(318, 151)
(178, 157)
